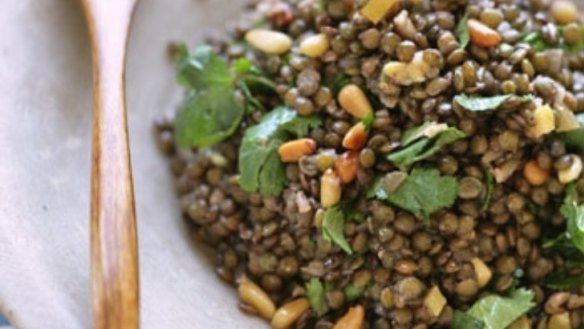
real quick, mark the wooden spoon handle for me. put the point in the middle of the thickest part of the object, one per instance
(114, 253)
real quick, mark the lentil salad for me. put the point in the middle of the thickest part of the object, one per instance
(389, 163)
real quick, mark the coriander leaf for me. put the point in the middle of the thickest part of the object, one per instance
(462, 320)
(462, 31)
(368, 121)
(353, 292)
(207, 117)
(316, 297)
(273, 175)
(338, 81)
(333, 226)
(301, 125)
(498, 312)
(561, 280)
(428, 130)
(575, 224)
(489, 182)
(242, 66)
(202, 69)
(423, 148)
(573, 139)
(349, 208)
(537, 41)
(480, 104)
(424, 192)
(377, 190)
(260, 167)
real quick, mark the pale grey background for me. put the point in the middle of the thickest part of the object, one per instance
(45, 104)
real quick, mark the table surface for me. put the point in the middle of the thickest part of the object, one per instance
(45, 104)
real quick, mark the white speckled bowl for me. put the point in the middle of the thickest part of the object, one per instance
(45, 106)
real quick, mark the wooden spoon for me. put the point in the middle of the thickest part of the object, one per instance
(114, 253)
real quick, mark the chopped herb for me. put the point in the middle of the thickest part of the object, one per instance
(573, 139)
(497, 312)
(260, 167)
(562, 280)
(423, 192)
(462, 31)
(333, 226)
(423, 142)
(351, 212)
(250, 78)
(338, 81)
(202, 69)
(537, 41)
(574, 214)
(480, 104)
(490, 184)
(368, 121)
(316, 297)
(210, 113)
(207, 117)
(462, 320)
(353, 292)
(377, 190)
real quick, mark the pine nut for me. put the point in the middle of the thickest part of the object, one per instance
(270, 42)
(288, 314)
(330, 189)
(544, 122)
(356, 137)
(534, 174)
(376, 10)
(560, 321)
(294, 150)
(346, 166)
(482, 35)
(482, 271)
(564, 12)
(521, 323)
(315, 46)
(254, 296)
(435, 301)
(406, 74)
(353, 100)
(353, 319)
(573, 172)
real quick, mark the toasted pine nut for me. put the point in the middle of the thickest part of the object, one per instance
(288, 314)
(346, 166)
(353, 319)
(292, 151)
(376, 10)
(356, 137)
(571, 173)
(564, 12)
(534, 174)
(270, 42)
(560, 321)
(482, 271)
(253, 295)
(482, 35)
(353, 100)
(314, 46)
(330, 189)
(545, 122)
(521, 323)
(435, 301)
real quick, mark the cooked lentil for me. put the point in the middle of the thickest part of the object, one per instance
(271, 246)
